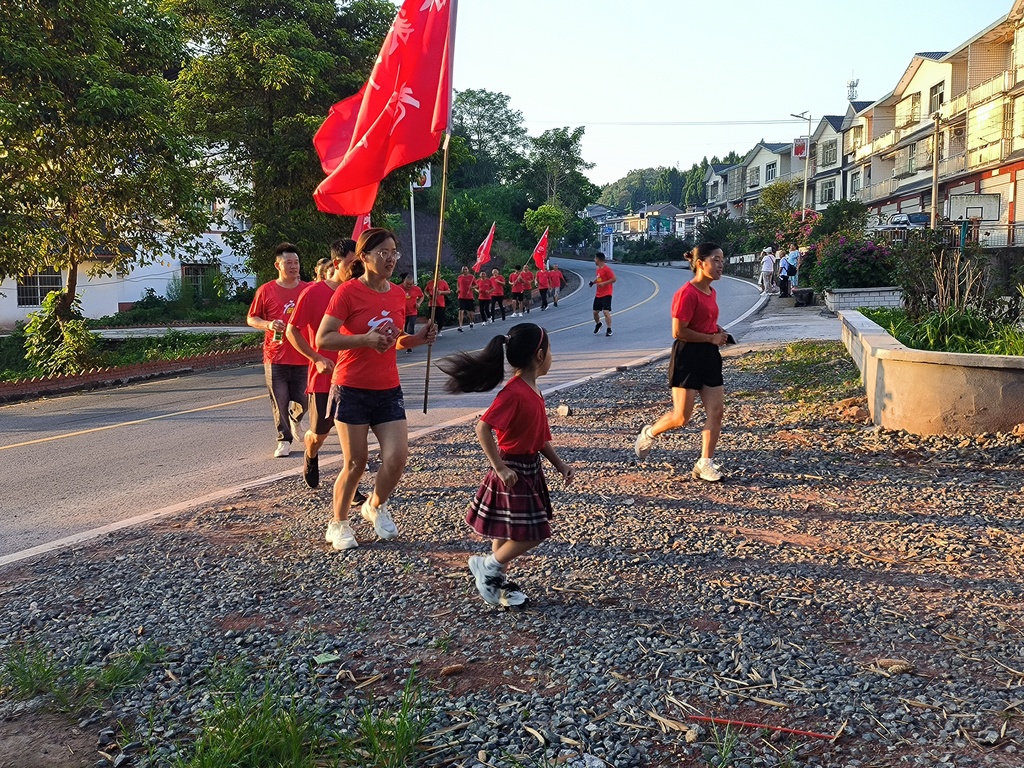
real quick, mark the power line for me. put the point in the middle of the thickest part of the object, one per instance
(670, 122)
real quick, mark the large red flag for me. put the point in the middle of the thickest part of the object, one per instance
(540, 253)
(362, 224)
(397, 117)
(483, 253)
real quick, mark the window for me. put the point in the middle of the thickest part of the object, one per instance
(827, 191)
(936, 97)
(908, 111)
(829, 152)
(770, 172)
(714, 191)
(32, 289)
(854, 183)
(753, 177)
(201, 278)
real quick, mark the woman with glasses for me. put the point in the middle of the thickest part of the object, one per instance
(364, 323)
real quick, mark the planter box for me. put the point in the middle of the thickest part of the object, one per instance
(855, 298)
(934, 393)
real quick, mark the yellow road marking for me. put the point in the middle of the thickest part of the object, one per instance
(129, 423)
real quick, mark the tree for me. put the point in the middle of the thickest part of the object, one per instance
(495, 134)
(95, 169)
(465, 227)
(261, 80)
(841, 216)
(556, 166)
(549, 217)
(731, 234)
(771, 216)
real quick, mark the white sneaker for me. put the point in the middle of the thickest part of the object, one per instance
(383, 525)
(489, 581)
(706, 469)
(644, 442)
(511, 595)
(283, 449)
(339, 534)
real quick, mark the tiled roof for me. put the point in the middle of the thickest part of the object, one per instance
(836, 121)
(859, 105)
(933, 55)
(776, 148)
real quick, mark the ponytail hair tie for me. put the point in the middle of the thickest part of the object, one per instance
(506, 339)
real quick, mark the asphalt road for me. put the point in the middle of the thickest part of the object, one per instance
(75, 463)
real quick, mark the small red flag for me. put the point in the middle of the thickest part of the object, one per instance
(362, 224)
(483, 253)
(397, 117)
(540, 253)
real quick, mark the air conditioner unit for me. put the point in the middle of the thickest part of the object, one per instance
(959, 131)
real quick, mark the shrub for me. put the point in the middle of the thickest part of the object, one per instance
(843, 261)
(56, 346)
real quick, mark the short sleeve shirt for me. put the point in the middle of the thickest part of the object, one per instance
(519, 418)
(360, 308)
(309, 311)
(465, 284)
(605, 288)
(526, 276)
(483, 288)
(498, 286)
(442, 285)
(767, 263)
(412, 295)
(695, 308)
(272, 302)
(542, 279)
(514, 282)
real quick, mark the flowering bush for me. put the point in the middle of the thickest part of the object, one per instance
(796, 230)
(845, 261)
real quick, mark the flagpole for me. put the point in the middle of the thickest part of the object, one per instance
(437, 265)
(412, 222)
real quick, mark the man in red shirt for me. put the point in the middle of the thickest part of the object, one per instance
(555, 282)
(515, 286)
(483, 294)
(284, 366)
(603, 294)
(542, 288)
(497, 295)
(301, 332)
(526, 279)
(413, 299)
(438, 307)
(465, 288)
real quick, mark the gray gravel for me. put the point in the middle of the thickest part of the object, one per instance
(841, 578)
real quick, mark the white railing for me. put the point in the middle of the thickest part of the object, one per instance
(952, 165)
(989, 88)
(955, 107)
(878, 190)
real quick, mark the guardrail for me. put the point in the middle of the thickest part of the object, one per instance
(957, 235)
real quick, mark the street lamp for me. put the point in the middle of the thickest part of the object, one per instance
(807, 158)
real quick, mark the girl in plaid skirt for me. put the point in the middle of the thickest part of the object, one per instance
(512, 506)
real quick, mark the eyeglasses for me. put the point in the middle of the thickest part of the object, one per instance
(386, 254)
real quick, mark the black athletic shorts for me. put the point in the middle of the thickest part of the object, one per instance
(695, 365)
(603, 303)
(320, 420)
(465, 305)
(356, 406)
(517, 295)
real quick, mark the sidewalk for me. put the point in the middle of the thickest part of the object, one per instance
(842, 580)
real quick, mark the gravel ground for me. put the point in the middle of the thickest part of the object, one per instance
(841, 579)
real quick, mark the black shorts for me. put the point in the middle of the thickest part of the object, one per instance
(603, 303)
(695, 365)
(355, 406)
(465, 305)
(517, 295)
(320, 420)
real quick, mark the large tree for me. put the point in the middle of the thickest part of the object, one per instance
(495, 134)
(556, 169)
(95, 170)
(263, 75)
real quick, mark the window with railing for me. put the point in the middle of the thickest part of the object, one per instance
(853, 139)
(827, 191)
(753, 177)
(771, 170)
(713, 192)
(908, 111)
(854, 183)
(202, 278)
(936, 97)
(829, 152)
(32, 289)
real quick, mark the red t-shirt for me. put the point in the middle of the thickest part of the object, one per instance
(519, 418)
(555, 278)
(272, 302)
(514, 282)
(412, 295)
(360, 308)
(465, 286)
(695, 308)
(526, 276)
(542, 279)
(604, 273)
(442, 285)
(483, 288)
(498, 286)
(309, 311)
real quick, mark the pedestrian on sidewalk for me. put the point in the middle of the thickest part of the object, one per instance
(497, 295)
(603, 295)
(783, 262)
(767, 282)
(695, 366)
(361, 322)
(794, 263)
(284, 367)
(512, 507)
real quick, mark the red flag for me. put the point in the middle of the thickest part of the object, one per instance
(362, 224)
(483, 253)
(540, 253)
(397, 117)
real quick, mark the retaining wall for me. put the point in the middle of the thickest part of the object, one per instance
(854, 298)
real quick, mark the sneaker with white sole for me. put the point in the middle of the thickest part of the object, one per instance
(339, 535)
(644, 443)
(511, 595)
(383, 525)
(489, 581)
(283, 449)
(706, 469)
(597, 327)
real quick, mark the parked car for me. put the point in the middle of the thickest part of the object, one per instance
(910, 220)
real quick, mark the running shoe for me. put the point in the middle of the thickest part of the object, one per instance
(608, 332)
(311, 470)
(511, 595)
(489, 581)
(383, 525)
(597, 327)
(283, 449)
(359, 498)
(339, 534)
(644, 443)
(706, 469)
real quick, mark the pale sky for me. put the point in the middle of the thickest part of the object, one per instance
(571, 63)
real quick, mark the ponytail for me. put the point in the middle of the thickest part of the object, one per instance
(484, 370)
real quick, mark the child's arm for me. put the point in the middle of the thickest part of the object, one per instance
(485, 434)
(564, 469)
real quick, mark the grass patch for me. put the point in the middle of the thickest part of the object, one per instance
(814, 373)
(951, 330)
(173, 345)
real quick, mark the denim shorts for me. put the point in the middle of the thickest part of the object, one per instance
(355, 406)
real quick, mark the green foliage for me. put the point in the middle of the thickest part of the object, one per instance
(812, 373)
(953, 329)
(846, 216)
(390, 738)
(850, 262)
(466, 226)
(555, 171)
(648, 251)
(731, 234)
(770, 216)
(550, 217)
(173, 345)
(495, 136)
(58, 346)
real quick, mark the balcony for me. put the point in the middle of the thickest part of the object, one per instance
(877, 191)
(950, 166)
(994, 86)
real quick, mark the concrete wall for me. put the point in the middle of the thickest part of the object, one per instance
(854, 298)
(933, 393)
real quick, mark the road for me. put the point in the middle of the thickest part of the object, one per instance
(74, 463)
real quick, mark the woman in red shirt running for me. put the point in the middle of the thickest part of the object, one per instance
(363, 322)
(512, 506)
(695, 367)
(497, 295)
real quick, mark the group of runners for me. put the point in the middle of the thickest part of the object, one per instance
(346, 330)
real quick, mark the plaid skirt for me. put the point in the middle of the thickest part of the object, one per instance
(519, 513)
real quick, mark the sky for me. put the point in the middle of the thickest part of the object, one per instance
(603, 63)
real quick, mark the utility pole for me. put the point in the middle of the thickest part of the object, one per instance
(935, 171)
(807, 160)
